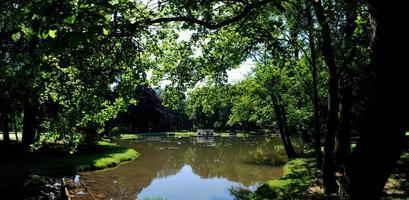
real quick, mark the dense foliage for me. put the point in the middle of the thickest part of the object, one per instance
(73, 71)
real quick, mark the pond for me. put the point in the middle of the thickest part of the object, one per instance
(187, 168)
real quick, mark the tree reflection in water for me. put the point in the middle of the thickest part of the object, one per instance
(174, 168)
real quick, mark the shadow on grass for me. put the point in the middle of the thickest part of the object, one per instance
(300, 175)
(397, 186)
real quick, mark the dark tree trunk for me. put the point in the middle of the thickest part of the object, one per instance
(5, 122)
(315, 99)
(343, 136)
(91, 137)
(15, 128)
(91, 134)
(29, 124)
(287, 132)
(305, 136)
(328, 52)
(289, 149)
(30, 103)
(328, 165)
(382, 137)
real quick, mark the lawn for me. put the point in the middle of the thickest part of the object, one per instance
(15, 168)
(12, 136)
(129, 136)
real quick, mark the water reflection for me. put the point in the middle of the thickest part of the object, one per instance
(189, 186)
(187, 168)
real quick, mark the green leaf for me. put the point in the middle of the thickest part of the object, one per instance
(45, 35)
(114, 2)
(70, 19)
(28, 32)
(16, 36)
(107, 18)
(52, 33)
(105, 31)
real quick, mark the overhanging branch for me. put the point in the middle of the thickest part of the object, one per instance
(210, 25)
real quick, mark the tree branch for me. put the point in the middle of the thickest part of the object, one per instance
(210, 25)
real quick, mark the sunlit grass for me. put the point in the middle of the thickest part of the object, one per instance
(103, 155)
(295, 177)
(12, 136)
(130, 136)
(100, 156)
(114, 155)
(298, 176)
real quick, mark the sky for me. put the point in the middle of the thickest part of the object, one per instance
(238, 74)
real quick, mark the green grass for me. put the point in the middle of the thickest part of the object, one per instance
(185, 134)
(15, 168)
(100, 156)
(113, 155)
(295, 178)
(104, 155)
(298, 176)
(176, 134)
(137, 135)
(12, 136)
(190, 134)
(397, 186)
(129, 136)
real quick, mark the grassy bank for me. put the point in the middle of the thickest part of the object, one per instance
(13, 136)
(15, 168)
(397, 186)
(177, 134)
(221, 134)
(104, 155)
(100, 156)
(300, 180)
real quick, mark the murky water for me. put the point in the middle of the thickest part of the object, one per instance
(187, 168)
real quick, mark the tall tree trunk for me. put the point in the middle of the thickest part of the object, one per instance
(382, 137)
(289, 149)
(315, 99)
(15, 128)
(328, 52)
(5, 122)
(287, 132)
(29, 123)
(91, 134)
(343, 136)
(30, 102)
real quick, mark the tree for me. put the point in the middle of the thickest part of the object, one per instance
(88, 90)
(210, 106)
(383, 126)
(315, 97)
(328, 53)
(146, 116)
(70, 67)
